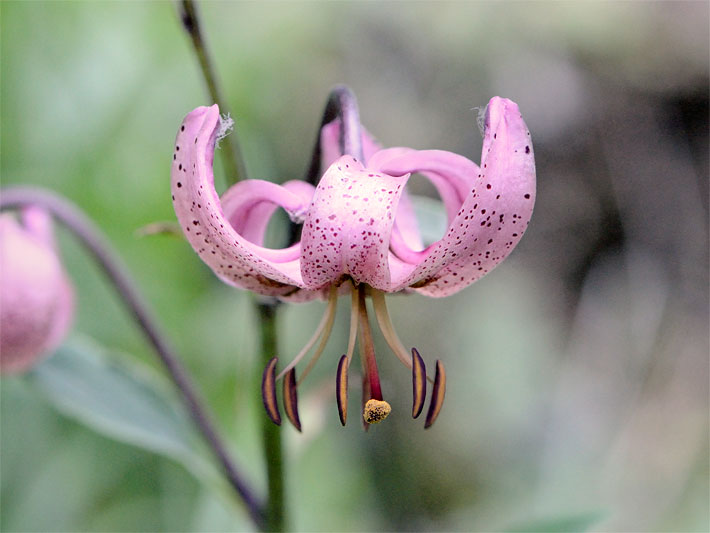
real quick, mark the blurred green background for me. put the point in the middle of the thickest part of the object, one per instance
(578, 386)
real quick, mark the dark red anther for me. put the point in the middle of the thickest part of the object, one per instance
(418, 383)
(341, 389)
(268, 391)
(290, 398)
(437, 395)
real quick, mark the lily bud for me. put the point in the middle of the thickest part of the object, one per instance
(36, 298)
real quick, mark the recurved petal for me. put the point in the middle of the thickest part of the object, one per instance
(494, 214)
(249, 205)
(348, 226)
(229, 254)
(451, 174)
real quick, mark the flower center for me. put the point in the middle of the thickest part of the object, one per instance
(374, 407)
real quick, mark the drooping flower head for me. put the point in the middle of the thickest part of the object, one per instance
(36, 298)
(359, 235)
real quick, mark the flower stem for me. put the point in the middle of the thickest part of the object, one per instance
(234, 166)
(271, 434)
(94, 241)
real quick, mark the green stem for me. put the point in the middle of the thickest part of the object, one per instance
(234, 166)
(271, 433)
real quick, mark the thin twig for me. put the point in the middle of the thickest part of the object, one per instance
(98, 246)
(234, 165)
(341, 104)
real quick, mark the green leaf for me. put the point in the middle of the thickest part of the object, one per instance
(121, 399)
(431, 217)
(565, 524)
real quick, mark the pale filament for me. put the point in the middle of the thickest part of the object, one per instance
(385, 323)
(326, 325)
(326, 335)
(383, 319)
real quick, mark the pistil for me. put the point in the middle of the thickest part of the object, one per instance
(379, 409)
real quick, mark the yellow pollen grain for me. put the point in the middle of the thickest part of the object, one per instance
(376, 411)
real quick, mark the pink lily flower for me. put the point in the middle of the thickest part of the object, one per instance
(36, 298)
(359, 235)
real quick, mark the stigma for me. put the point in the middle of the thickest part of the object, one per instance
(374, 408)
(376, 411)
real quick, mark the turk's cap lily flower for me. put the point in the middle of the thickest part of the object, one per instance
(36, 298)
(354, 226)
(359, 231)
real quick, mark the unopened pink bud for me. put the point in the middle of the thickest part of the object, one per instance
(36, 298)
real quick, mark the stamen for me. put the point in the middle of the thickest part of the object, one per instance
(328, 318)
(290, 398)
(268, 391)
(437, 395)
(376, 411)
(332, 301)
(341, 389)
(385, 323)
(418, 383)
(383, 319)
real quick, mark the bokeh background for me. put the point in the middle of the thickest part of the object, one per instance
(578, 388)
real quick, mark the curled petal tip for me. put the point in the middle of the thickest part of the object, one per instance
(418, 383)
(268, 391)
(290, 398)
(341, 389)
(437, 395)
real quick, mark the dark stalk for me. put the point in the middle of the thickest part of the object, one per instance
(234, 166)
(341, 104)
(99, 248)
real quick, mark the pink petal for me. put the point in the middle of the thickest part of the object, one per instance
(450, 173)
(36, 298)
(236, 260)
(330, 143)
(406, 227)
(496, 209)
(249, 205)
(347, 229)
(405, 235)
